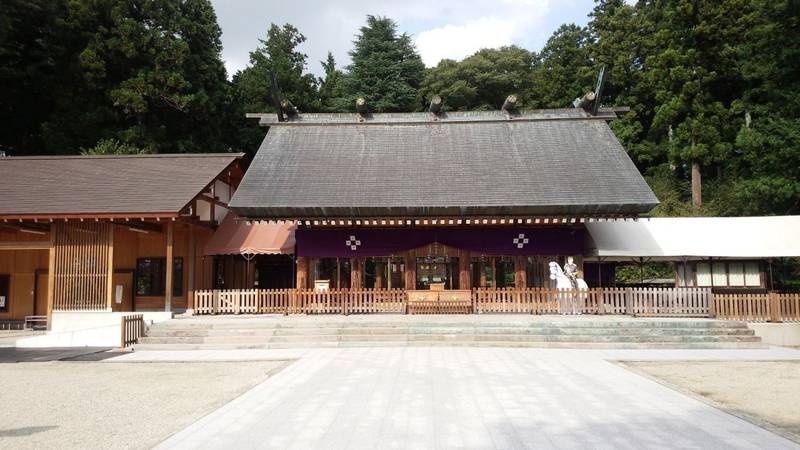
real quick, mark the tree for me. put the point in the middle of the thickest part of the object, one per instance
(278, 55)
(766, 172)
(329, 88)
(31, 58)
(147, 73)
(112, 147)
(386, 69)
(566, 69)
(481, 81)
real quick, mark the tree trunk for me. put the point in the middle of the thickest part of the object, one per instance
(697, 199)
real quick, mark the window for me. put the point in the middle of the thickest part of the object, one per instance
(703, 275)
(736, 274)
(733, 274)
(752, 274)
(384, 273)
(151, 276)
(685, 275)
(5, 284)
(336, 271)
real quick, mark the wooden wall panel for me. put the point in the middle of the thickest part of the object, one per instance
(131, 245)
(82, 265)
(21, 266)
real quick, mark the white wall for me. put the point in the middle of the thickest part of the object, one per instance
(777, 333)
(87, 329)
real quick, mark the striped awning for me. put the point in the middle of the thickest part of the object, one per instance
(236, 237)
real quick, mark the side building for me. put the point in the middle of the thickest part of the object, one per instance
(90, 234)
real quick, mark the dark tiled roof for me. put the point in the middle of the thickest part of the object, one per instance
(105, 185)
(546, 162)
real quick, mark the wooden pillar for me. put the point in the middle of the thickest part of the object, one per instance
(520, 275)
(302, 272)
(192, 257)
(482, 269)
(578, 260)
(379, 275)
(355, 273)
(464, 275)
(411, 270)
(168, 283)
(110, 269)
(51, 276)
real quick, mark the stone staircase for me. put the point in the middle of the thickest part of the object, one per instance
(268, 332)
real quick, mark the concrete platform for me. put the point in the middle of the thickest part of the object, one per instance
(467, 398)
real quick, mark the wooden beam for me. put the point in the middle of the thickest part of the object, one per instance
(139, 225)
(302, 272)
(168, 283)
(51, 279)
(26, 245)
(520, 276)
(192, 257)
(214, 200)
(110, 269)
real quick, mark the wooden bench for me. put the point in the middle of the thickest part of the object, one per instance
(35, 322)
(439, 302)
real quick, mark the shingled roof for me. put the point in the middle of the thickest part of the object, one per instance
(101, 186)
(550, 162)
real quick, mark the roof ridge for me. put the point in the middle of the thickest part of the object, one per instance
(132, 156)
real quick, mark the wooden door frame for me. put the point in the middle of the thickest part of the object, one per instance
(133, 284)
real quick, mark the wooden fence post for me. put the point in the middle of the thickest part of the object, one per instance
(629, 301)
(712, 307)
(774, 307)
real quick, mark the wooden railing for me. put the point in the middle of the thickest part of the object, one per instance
(132, 329)
(764, 307)
(679, 302)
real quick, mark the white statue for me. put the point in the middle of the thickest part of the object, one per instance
(568, 303)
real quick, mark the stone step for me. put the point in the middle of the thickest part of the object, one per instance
(443, 337)
(304, 324)
(260, 333)
(570, 345)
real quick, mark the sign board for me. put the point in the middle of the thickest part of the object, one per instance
(118, 294)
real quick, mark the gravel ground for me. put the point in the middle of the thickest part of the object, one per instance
(764, 392)
(99, 405)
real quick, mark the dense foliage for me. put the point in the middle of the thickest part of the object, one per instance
(712, 83)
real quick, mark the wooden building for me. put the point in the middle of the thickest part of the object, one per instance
(109, 233)
(439, 200)
(728, 254)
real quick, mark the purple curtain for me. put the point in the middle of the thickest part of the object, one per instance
(487, 241)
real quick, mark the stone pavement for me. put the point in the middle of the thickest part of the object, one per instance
(475, 398)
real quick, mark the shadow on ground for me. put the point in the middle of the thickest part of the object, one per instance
(25, 431)
(17, 355)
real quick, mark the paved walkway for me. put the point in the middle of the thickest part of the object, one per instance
(476, 398)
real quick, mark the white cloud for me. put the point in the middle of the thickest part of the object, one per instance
(511, 21)
(441, 28)
(458, 41)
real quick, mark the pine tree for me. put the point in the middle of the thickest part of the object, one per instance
(386, 69)
(329, 85)
(278, 55)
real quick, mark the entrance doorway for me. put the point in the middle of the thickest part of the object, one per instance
(437, 271)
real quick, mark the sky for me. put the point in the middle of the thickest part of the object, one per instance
(439, 28)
